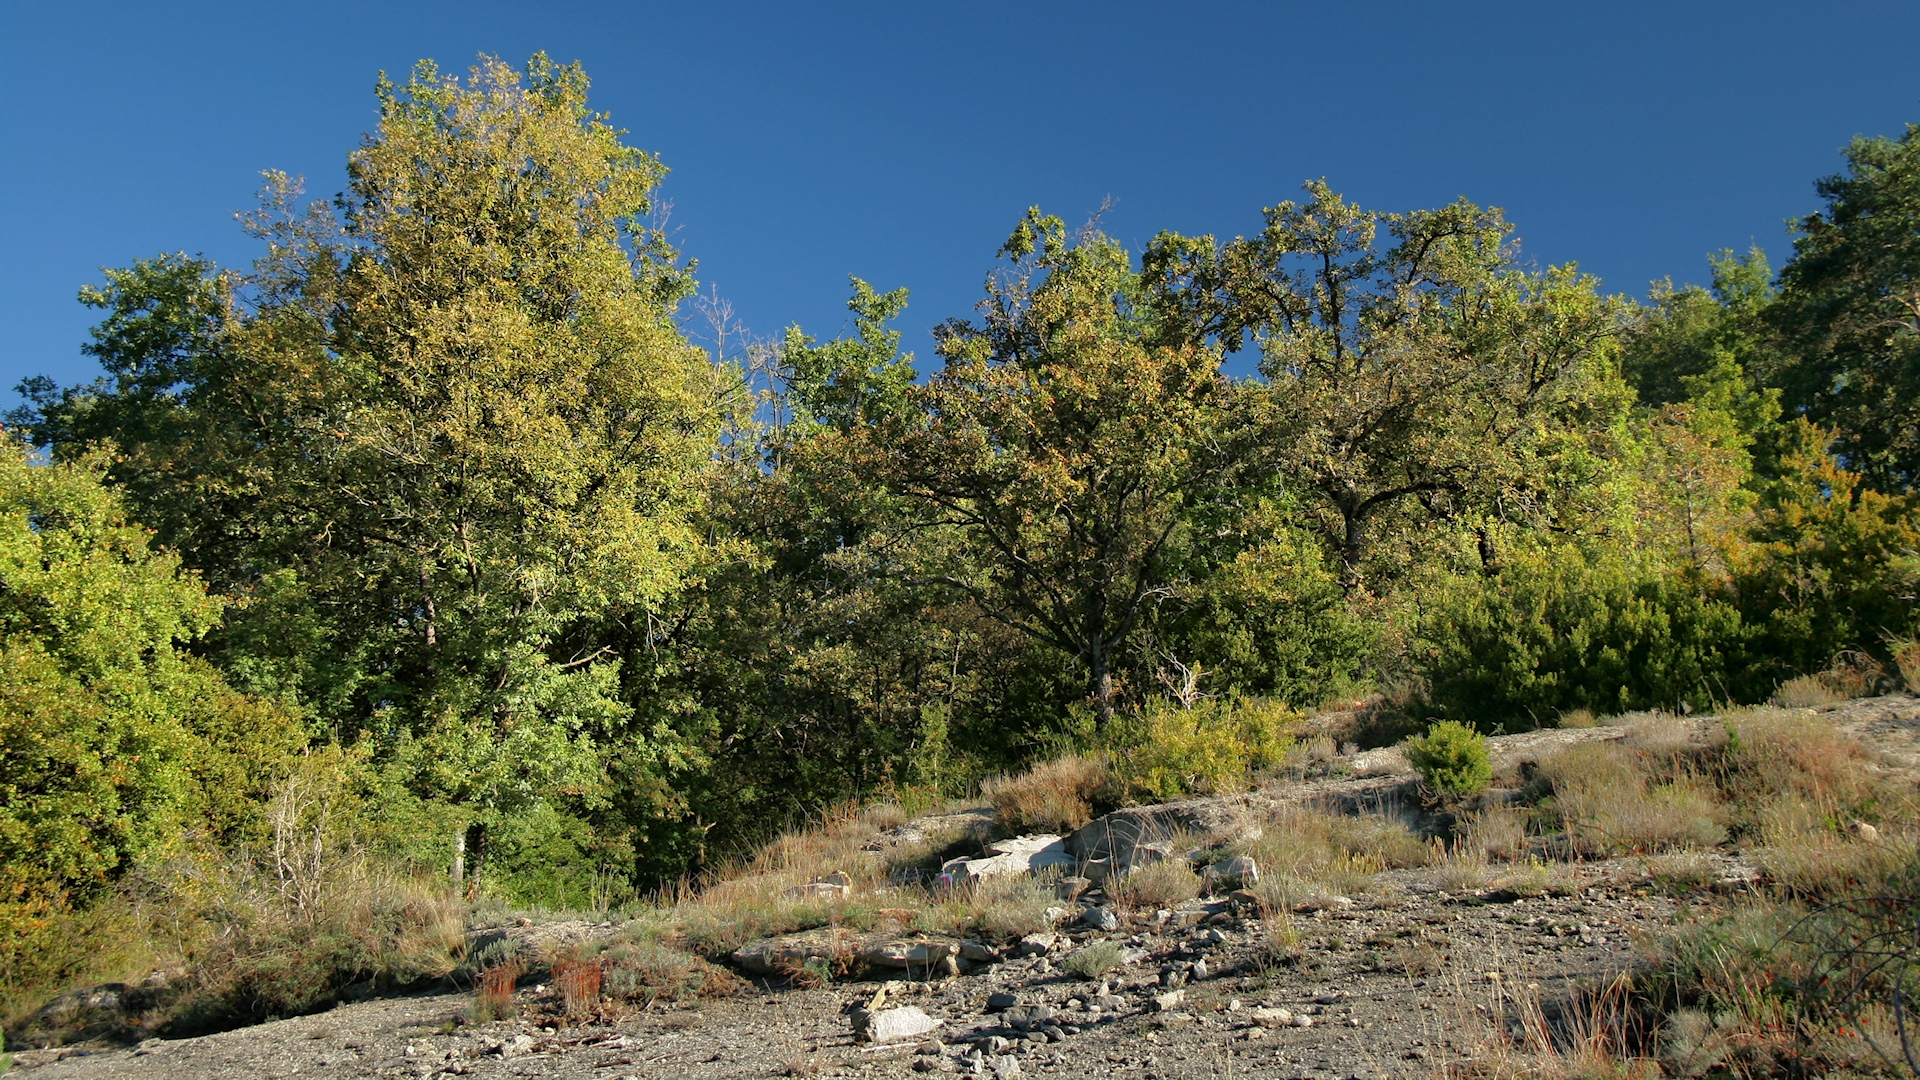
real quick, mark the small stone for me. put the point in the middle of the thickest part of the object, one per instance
(931, 1046)
(1038, 944)
(1329, 998)
(1214, 937)
(979, 952)
(1006, 1068)
(1271, 1018)
(997, 1044)
(1235, 873)
(1302, 1021)
(1100, 918)
(1200, 971)
(1168, 1001)
(1001, 1001)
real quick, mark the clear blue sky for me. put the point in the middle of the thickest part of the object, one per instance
(900, 141)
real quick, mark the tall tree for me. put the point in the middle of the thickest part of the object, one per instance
(452, 428)
(1428, 371)
(1066, 443)
(1850, 308)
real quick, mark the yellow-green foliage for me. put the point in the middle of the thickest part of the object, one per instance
(1216, 746)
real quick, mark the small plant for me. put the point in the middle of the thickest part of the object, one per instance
(579, 985)
(1093, 961)
(1452, 759)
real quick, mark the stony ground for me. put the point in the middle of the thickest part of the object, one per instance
(1402, 981)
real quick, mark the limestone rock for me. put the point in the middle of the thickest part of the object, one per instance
(892, 1025)
(911, 955)
(1235, 873)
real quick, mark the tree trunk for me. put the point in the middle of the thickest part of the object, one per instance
(476, 844)
(1351, 545)
(459, 874)
(1100, 685)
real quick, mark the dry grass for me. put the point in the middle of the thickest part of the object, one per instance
(1161, 884)
(1496, 832)
(1053, 796)
(1611, 799)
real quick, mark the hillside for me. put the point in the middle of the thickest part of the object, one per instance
(1365, 947)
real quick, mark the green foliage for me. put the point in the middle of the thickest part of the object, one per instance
(1452, 759)
(1421, 378)
(111, 737)
(1847, 307)
(1166, 750)
(1562, 629)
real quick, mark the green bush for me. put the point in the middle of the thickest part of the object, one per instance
(1452, 758)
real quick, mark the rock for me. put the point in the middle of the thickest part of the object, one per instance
(1070, 888)
(1329, 998)
(1099, 870)
(1168, 1001)
(1056, 915)
(1005, 1068)
(1200, 971)
(1110, 1003)
(1020, 855)
(1101, 919)
(1235, 873)
(910, 955)
(1302, 1021)
(998, 1045)
(1147, 855)
(786, 954)
(892, 1025)
(1001, 1001)
(1271, 1018)
(1133, 956)
(1212, 820)
(1038, 944)
(979, 952)
(516, 1046)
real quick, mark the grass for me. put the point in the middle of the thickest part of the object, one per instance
(1054, 796)
(1156, 885)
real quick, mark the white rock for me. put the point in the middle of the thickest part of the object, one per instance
(1271, 1018)
(893, 1025)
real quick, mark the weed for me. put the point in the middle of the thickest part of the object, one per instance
(579, 984)
(493, 997)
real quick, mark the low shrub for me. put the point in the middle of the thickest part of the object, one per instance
(1092, 961)
(1452, 759)
(1609, 801)
(1216, 746)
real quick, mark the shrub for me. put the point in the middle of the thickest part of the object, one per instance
(1216, 746)
(1451, 758)
(1053, 796)
(1093, 961)
(1611, 799)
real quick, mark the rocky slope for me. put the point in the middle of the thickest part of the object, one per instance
(1403, 979)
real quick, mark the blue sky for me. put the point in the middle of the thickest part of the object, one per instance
(900, 141)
